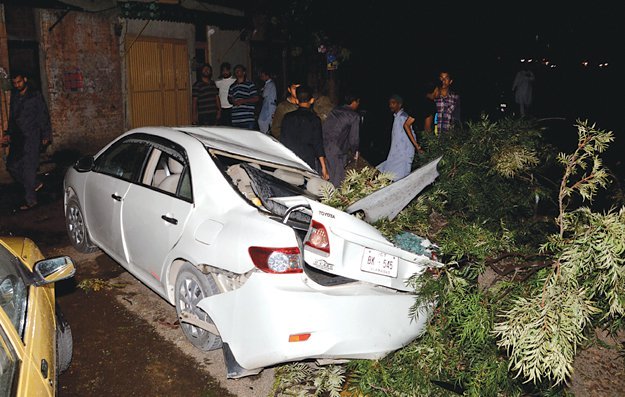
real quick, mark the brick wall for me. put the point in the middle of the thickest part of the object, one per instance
(81, 66)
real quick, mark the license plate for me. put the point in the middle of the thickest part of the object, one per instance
(379, 263)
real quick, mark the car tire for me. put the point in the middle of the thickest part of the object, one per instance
(191, 287)
(76, 228)
(64, 345)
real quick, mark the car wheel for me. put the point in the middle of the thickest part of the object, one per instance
(76, 228)
(64, 345)
(191, 287)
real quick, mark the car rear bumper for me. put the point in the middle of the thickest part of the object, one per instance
(354, 321)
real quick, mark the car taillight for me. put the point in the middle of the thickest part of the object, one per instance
(277, 260)
(319, 237)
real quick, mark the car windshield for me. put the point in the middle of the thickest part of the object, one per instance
(13, 291)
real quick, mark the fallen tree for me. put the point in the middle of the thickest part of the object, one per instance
(529, 272)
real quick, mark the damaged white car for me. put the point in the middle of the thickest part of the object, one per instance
(226, 225)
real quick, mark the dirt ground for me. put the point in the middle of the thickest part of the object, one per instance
(127, 341)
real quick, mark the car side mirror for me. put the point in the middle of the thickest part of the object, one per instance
(51, 270)
(85, 164)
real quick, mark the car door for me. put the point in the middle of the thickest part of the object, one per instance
(27, 333)
(105, 190)
(155, 212)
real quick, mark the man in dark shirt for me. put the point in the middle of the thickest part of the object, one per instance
(341, 137)
(301, 132)
(423, 113)
(29, 128)
(205, 94)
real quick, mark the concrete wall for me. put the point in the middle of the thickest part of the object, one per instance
(226, 46)
(87, 118)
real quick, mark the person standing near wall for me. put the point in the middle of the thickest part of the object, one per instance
(223, 84)
(206, 102)
(29, 128)
(270, 99)
(243, 96)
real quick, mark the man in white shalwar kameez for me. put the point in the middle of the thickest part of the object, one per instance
(399, 160)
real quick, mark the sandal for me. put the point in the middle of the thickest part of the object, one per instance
(26, 207)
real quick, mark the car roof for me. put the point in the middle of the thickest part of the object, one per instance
(247, 143)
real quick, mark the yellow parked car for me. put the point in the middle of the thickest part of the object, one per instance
(35, 341)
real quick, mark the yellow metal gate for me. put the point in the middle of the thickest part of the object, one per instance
(158, 82)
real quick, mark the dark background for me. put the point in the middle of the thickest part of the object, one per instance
(397, 46)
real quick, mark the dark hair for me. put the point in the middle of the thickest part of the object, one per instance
(239, 66)
(264, 71)
(451, 76)
(350, 97)
(304, 93)
(19, 73)
(225, 65)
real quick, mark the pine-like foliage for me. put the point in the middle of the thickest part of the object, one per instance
(306, 380)
(545, 325)
(357, 184)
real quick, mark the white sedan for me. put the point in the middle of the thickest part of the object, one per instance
(225, 224)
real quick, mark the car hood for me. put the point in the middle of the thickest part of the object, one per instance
(249, 144)
(25, 248)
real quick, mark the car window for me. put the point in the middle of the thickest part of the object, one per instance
(124, 160)
(169, 174)
(185, 186)
(8, 365)
(13, 290)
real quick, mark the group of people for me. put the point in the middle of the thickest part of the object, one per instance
(326, 146)
(232, 101)
(229, 101)
(437, 110)
(328, 141)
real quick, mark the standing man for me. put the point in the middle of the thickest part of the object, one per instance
(341, 137)
(270, 99)
(284, 107)
(447, 104)
(223, 85)
(29, 128)
(243, 96)
(424, 112)
(399, 160)
(522, 88)
(301, 132)
(205, 94)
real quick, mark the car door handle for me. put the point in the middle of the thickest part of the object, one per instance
(171, 220)
(116, 197)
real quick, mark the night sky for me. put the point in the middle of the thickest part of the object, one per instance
(396, 47)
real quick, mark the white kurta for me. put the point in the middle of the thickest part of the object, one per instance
(401, 153)
(270, 99)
